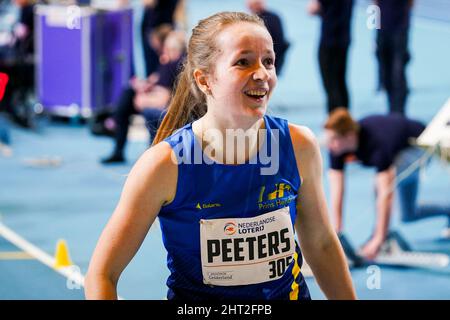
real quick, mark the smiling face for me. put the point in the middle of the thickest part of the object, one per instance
(244, 72)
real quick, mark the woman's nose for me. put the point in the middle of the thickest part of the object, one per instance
(261, 73)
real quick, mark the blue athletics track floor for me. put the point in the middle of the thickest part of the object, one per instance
(74, 199)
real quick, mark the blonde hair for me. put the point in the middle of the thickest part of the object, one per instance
(189, 102)
(341, 122)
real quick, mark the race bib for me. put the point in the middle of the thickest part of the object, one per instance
(247, 250)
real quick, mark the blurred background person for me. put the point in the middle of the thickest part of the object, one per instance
(392, 50)
(275, 28)
(156, 41)
(149, 98)
(19, 65)
(333, 48)
(156, 13)
(24, 29)
(383, 142)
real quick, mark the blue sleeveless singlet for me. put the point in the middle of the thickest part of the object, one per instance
(237, 201)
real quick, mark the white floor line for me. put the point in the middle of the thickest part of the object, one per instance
(72, 273)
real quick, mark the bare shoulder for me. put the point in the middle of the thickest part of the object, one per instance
(158, 157)
(303, 139)
(307, 151)
(157, 167)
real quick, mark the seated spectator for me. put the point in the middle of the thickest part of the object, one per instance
(149, 99)
(156, 39)
(156, 13)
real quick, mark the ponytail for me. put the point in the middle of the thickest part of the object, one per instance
(185, 106)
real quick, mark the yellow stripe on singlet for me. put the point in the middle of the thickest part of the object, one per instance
(293, 295)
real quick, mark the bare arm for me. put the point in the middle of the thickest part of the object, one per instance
(317, 238)
(152, 79)
(144, 85)
(384, 188)
(158, 97)
(384, 185)
(337, 188)
(150, 184)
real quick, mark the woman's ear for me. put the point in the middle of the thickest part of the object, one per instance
(202, 81)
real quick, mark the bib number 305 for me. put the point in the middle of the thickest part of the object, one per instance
(278, 267)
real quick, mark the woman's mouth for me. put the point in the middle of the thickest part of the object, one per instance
(256, 95)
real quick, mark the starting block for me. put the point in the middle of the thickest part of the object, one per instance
(353, 259)
(395, 251)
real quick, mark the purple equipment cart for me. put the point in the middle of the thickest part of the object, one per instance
(84, 58)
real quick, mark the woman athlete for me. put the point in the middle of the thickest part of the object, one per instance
(228, 210)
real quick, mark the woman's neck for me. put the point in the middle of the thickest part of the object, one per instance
(229, 141)
(231, 122)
